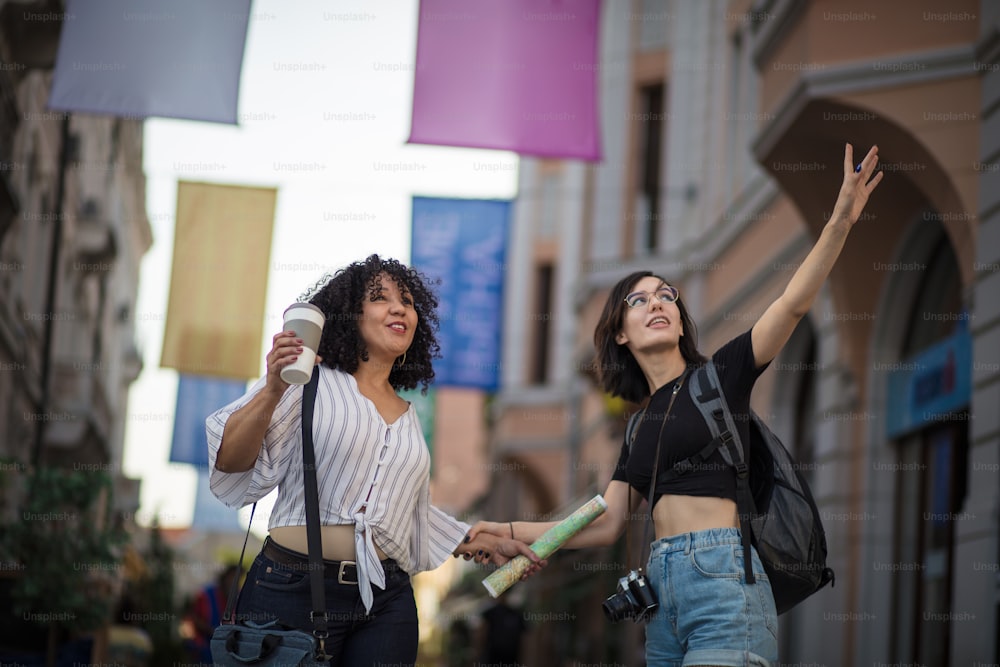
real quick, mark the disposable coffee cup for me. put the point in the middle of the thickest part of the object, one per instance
(306, 320)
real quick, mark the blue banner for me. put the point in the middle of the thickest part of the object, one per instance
(210, 514)
(198, 397)
(463, 243)
(932, 385)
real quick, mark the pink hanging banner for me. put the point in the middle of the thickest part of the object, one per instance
(516, 75)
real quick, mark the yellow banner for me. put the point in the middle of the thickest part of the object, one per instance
(218, 283)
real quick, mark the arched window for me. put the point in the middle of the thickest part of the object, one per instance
(931, 480)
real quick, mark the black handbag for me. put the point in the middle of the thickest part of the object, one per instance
(238, 644)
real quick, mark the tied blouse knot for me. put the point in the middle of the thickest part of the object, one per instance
(369, 473)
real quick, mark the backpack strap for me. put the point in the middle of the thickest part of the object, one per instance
(706, 392)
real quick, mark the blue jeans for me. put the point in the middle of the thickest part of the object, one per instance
(385, 635)
(708, 615)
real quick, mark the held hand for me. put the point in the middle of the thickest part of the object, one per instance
(488, 548)
(484, 548)
(506, 549)
(857, 186)
(491, 528)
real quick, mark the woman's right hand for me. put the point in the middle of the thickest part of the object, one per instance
(246, 427)
(285, 349)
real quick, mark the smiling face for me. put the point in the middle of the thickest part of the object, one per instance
(388, 320)
(653, 323)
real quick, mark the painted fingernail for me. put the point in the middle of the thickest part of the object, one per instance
(857, 170)
(486, 555)
(479, 553)
(467, 538)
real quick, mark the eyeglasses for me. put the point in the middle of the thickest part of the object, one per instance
(665, 294)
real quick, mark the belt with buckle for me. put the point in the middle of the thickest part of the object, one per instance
(345, 571)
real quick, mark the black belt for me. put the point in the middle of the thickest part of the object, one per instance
(344, 571)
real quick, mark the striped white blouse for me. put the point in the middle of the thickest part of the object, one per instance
(370, 474)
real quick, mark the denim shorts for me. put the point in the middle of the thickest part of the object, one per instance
(708, 614)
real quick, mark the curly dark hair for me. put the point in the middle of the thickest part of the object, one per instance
(618, 372)
(341, 298)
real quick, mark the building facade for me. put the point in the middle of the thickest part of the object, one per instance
(73, 231)
(724, 124)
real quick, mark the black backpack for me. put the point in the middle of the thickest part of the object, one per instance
(776, 509)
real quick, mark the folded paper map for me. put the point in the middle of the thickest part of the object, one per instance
(506, 576)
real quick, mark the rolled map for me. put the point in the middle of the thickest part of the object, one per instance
(507, 575)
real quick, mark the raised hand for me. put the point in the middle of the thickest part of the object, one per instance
(285, 349)
(856, 187)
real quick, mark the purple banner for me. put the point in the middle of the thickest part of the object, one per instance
(516, 75)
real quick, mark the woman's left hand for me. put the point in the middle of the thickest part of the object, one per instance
(493, 528)
(488, 548)
(857, 186)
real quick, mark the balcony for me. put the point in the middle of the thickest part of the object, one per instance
(78, 425)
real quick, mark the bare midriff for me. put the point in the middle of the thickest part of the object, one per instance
(338, 541)
(674, 515)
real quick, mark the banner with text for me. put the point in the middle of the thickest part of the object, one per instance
(463, 243)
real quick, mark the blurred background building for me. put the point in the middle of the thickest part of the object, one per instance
(73, 231)
(724, 124)
(79, 178)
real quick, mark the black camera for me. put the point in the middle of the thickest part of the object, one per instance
(634, 599)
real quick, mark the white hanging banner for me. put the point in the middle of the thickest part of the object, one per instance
(169, 58)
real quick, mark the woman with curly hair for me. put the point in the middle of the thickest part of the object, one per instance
(373, 468)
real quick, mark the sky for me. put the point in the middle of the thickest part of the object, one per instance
(325, 100)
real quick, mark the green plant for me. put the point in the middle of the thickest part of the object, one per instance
(155, 599)
(67, 547)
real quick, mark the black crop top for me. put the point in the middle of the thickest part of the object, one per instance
(686, 433)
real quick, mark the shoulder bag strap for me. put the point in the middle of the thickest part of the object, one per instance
(234, 591)
(313, 537)
(316, 568)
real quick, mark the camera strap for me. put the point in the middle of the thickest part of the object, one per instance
(656, 467)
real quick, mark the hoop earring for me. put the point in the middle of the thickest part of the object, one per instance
(403, 361)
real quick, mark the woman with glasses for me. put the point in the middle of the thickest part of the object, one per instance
(646, 348)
